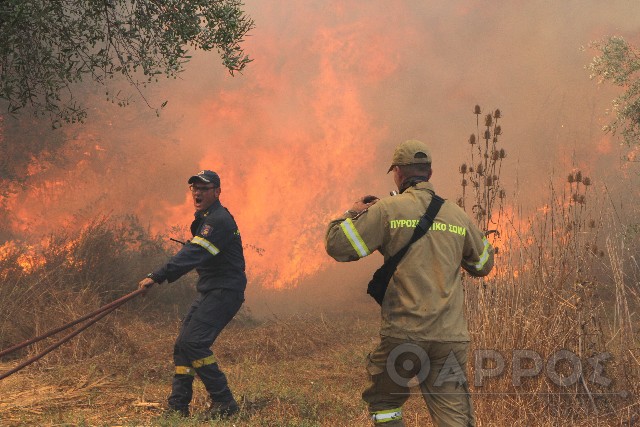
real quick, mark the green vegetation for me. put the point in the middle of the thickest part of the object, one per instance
(48, 46)
(618, 62)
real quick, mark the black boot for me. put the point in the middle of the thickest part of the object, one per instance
(223, 405)
(181, 394)
(221, 410)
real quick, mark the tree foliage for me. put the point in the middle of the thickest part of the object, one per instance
(46, 46)
(619, 63)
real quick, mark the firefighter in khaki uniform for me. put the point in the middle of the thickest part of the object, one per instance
(424, 333)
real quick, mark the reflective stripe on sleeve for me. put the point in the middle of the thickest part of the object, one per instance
(485, 255)
(185, 370)
(206, 244)
(354, 237)
(209, 360)
(387, 415)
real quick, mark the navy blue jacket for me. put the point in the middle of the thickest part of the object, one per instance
(215, 251)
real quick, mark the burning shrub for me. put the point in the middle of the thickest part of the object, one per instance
(73, 273)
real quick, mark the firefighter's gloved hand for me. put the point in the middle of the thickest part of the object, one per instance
(364, 203)
(146, 284)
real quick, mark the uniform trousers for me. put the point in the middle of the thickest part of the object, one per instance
(437, 368)
(207, 317)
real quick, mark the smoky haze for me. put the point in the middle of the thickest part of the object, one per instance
(311, 124)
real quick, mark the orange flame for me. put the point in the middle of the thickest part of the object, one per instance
(286, 160)
(294, 139)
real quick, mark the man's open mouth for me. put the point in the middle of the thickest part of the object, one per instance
(198, 200)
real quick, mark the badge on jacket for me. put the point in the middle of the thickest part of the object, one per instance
(206, 230)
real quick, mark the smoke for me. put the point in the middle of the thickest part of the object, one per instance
(311, 124)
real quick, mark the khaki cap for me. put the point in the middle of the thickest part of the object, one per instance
(410, 152)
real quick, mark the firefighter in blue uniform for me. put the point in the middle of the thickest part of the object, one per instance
(215, 251)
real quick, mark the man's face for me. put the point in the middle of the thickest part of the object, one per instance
(204, 195)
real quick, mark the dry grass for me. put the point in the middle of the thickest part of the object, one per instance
(289, 372)
(298, 369)
(555, 291)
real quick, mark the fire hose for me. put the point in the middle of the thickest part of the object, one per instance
(94, 317)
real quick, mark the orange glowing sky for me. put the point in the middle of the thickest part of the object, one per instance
(312, 122)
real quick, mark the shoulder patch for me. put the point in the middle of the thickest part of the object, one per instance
(206, 230)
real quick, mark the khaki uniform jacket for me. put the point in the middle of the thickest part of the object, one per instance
(424, 300)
